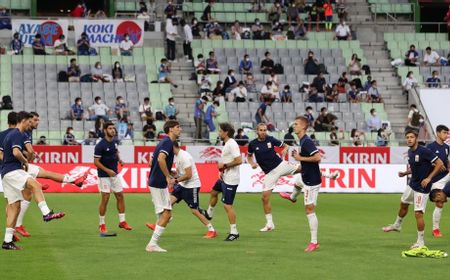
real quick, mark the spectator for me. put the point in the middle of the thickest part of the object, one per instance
(164, 70)
(275, 86)
(431, 58)
(382, 139)
(5, 20)
(126, 46)
(195, 26)
(332, 93)
(200, 66)
(258, 30)
(207, 12)
(99, 123)
(42, 140)
(210, 115)
(212, 66)
(341, 86)
(61, 46)
(236, 31)
(313, 17)
(99, 110)
(130, 131)
(98, 75)
(286, 94)
(292, 13)
(324, 121)
(250, 83)
(38, 45)
(266, 91)
(314, 139)
(246, 65)
(73, 71)
(354, 95)
(241, 138)
(415, 119)
(311, 64)
(411, 56)
(260, 115)
(145, 110)
(16, 44)
(149, 131)
(219, 90)
(409, 83)
(69, 138)
(277, 28)
(77, 110)
(357, 137)
(373, 122)
(121, 109)
(342, 10)
(171, 34)
(199, 116)
(288, 138)
(239, 94)
(170, 110)
(343, 31)
(318, 86)
(368, 83)
(309, 115)
(434, 81)
(83, 45)
(205, 85)
(274, 12)
(214, 31)
(92, 139)
(344, 77)
(187, 40)
(100, 14)
(230, 81)
(117, 73)
(299, 30)
(267, 64)
(374, 95)
(354, 67)
(334, 140)
(328, 11)
(79, 11)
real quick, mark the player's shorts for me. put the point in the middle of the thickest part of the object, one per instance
(228, 193)
(283, 169)
(441, 183)
(218, 185)
(106, 184)
(33, 170)
(13, 184)
(161, 199)
(190, 196)
(420, 201)
(408, 196)
(310, 194)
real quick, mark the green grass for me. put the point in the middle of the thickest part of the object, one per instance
(352, 244)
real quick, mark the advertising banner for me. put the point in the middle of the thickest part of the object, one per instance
(50, 30)
(364, 155)
(58, 154)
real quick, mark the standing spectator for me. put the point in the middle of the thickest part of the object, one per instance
(79, 11)
(99, 110)
(431, 58)
(170, 10)
(447, 18)
(415, 119)
(98, 126)
(246, 65)
(311, 64)
(260, 115)
(236, 31)
(117, 73)
(91, 140)
(241, 138)
(77, 110)
(149, 131)
(164, 70)
(195, 28)
(69, 138)
(250, 83)
(373, 122)
(207, 12)
(354, 67)
(121, 109)
(343, 31)
(409, 83)
(309, 115)
(320, 10)
(382, 140)
(342, 10)
(188, 38)
(292, 13)
(239, 94)
(274, 12)
(83, 44)
(126, 46)
(212, 66)
(210, 115)
(374, 95)
(267, 64)
(16, 44)
(5, 20)
(313, 16)
(288, 138)
(411, 56)
(258, 30)
(170, 110)
(230, 81)
(328, 10)
(61, 46)
(199, 115)
(145, 110)
(434, 81)
(42, 140)
(38, 45)
(171, 34)
(286, 94)
(73, 71)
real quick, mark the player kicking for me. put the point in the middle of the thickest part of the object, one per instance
(187, 187)
(15, 180)
(441, 150)
(106, 159)
(159, 180)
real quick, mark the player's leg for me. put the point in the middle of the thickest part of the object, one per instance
(298, 185)
(163, 208)
(267, 207)
(214, 197)
(191, 197)
(310, 200)
(437, 214)
(116, 187)
(406, 199)
(24, 204)
(61, 178)
(228, 195)
(12, 211)
(104, 199)
(420, 204)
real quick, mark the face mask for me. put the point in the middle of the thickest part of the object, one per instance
(117, 66)
(374, 114)
(127, 38)
(286, 90)
(99, 102)
(326, 112)
(99, 67)
(121, 101)
(247, 59)
(79, 103)
(232, 74)
(195, 22)
(70, 131)
(258, 23)
(172, 103)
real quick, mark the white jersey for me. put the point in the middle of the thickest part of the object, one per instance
(184, 160)
(229, 153)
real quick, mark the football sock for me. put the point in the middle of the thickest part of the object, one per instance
(233, 229)
(159, 230)
(269, 219)
(398, 221)
(313, 226)
(44, 208)
(101, 220)
(210, 211)
(210, 227)
(436, 217)
(9, 235)
(121, 217)
(295, 192)
(420, 235)
(24, 204)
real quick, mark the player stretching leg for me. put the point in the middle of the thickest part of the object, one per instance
(106, 159)
(187, 187)
(159, 180)
(16, 180)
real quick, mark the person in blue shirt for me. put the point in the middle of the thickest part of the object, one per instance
(246, 65)
(77, 110)
(411, 56)
(170, 110)
(210, 115)
(199, 116)
(16, 44)
(165, 68)
(434, 81)
(160, 179)
(38, 45)
(12, 122)
(260, 115)
(263, 148)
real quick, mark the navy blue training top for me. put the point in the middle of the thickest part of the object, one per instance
(265, 153)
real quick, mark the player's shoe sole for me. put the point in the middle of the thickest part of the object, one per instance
(22, 231)
(125, 226)
(155, 249)
(437, 233)
(53, 216)
(287, 196)
(10, 246)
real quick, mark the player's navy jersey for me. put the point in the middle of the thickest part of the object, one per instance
(107, 152)
(28, 136)
(156, 178)
(265, 153)
(13, 140)
(311, 174)
(446, 189)
(421, 163)
(2, 138)
(442, 152)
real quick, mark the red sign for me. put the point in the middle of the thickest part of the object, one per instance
(57, 154)
(364, 155)
(143, 154)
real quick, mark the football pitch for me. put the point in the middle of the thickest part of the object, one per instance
(352, 243)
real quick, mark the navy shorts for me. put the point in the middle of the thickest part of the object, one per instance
(218, 186)
(190, 196)
(228, 193)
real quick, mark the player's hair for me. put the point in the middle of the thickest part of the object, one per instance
(433, 194)
(441, 128)
(12, 118)
(260, 124)
(170, 124)
(22, 115)
(411, 131)
(302, 119)
(228, 128)
(176, 144)
(34, 114)
(107, 124)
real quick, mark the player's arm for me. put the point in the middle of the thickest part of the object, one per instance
(100, 166)
(236, 161)
(316, 157)
(119, 159)
(404, 173)
(1, 155)
(251, 161)
(187, 175)
(285, 150)
(163, 166)
(436, 169)
(20, 157)
(30, 151)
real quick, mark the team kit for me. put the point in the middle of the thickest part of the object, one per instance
(427, 171)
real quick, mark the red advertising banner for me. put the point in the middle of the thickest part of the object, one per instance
(57, 154)
(364, 155)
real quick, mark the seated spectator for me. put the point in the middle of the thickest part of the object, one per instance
(286, 94)
(260, 115)
(354, 66)
(431, 58)
(246, 65)
(325, 121)
(344, 77)
(313, 17)
(165, 68)
(99, 123)
(83, 45)
(38, 45)
(274, 12)
(266, 92)
(299, 30)
(332, 93)
(117, 73)
(317, 91)
(212, 66)
(373, 122)
(434, 81)
(334, 140)
(207, 12)
(210, 115)
(236, 31)
(219, 90)
(353, 94)
(130, 131)
(73, 71)
(357, 137)
(374, 95)
(145, 110)
(239, 94)
(314, 139)
(409, 83)
(170, 110)
(267, 64)
(149, 131)
(341, 86)
(277, 28)
(258, 30)
(241, 138)
(92, 139)
(382, 139)
(205, 84)
(309, 115)
(230, 81)
(214, 31)
(275, 85)
(311, 64)
(292, 12)
(69, 138)
(16, 44)
(61, 46)
(195, 26)
(343, 31)
(288, 138)
(411, 56)
(121, 109)
(200, 65)
(250, 83)
(368, 83)
(99, 110)
(98, 75)
(77, 110)
(126, 46)
(42, 140)
(5, 20)
(100, 14)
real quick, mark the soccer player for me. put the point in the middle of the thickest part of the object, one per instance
(441, 150)
(187, 187)
(439, 196)
(106, 159)
(159, 181)
(15, 180)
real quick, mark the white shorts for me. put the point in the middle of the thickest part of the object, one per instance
(33, 170)
(420, 201)
(106, 184)
(310, 194)
(441, 183)
(408, 196)
(13, 184)
(283, 169)
(161, 199)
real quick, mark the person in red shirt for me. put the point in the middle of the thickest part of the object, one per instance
(328, 10)
(447, 18)
(79, 10)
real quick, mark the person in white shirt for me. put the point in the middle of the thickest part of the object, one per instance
(409, 82)
(239, 93)
(99, 110)
(188, 38)
(431, 58)
(60, 46)
(230, 177)
(266, 91)
(343, 31)
(171, 34)
(126, 46)
(145, 110)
